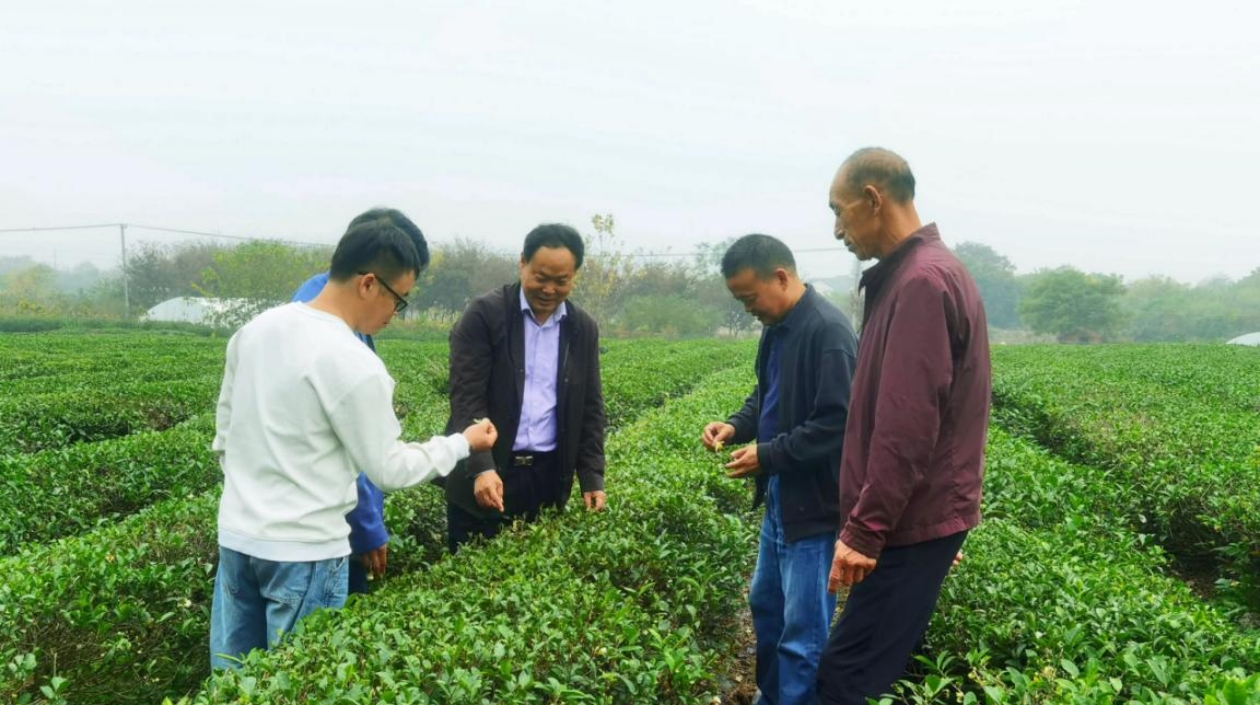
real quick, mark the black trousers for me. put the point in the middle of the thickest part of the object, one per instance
(358, 576)
(531, 482)
(883, 621)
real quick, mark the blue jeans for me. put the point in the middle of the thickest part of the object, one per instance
(257, 601)
(791, 608)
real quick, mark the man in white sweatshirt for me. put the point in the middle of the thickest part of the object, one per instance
(304, 407)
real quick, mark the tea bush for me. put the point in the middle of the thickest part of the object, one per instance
(1182, 423)
(629, 606)
(120, 614)
(1059, 601)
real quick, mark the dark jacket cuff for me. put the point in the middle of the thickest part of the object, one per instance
(591, 482)
(764, 455)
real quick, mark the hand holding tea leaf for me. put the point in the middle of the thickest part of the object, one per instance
(716, 434)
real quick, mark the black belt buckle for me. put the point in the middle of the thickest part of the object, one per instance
(523, 460)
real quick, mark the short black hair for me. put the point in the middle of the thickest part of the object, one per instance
(402, 222)
(882, 168)
(380, 241)
(554, 235)
(761, 253)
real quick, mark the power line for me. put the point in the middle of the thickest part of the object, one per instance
(242, 238)
(182, 231)
(66, 227)
(699, 252)
(158, 228)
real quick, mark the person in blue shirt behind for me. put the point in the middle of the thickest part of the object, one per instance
(369, 539)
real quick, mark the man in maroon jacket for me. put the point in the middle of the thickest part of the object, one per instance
(914, 440)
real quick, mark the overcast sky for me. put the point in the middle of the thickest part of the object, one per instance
(1113, 136)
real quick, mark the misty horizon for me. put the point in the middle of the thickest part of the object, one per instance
(1043, 132)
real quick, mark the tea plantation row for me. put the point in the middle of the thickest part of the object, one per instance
(1178, 426)
(119, 614)
(1061, 600)
(1111, 472)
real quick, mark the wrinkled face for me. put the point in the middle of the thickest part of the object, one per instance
(856, 224)
(383, 299)
(547, 279)
(766, 299)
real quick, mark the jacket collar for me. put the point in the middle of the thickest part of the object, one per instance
(799, 311)
(875, 276)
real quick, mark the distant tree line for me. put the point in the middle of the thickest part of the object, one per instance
(627, 294)
(1076, 306)
(630, 295)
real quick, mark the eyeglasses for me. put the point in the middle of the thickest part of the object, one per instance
(399, 302)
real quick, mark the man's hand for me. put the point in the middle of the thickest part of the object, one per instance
(374, 561)
(848, 568)
(744, 462)
(488, 489)
(481, 435)
(716, 435)
(595, 500)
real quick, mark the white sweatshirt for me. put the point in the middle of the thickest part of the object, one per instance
(305, 406)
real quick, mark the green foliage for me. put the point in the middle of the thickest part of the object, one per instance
(67, 491)
(1162, 310)
(641, 374)
(628, 606)
(601, 283)
(1066, 594)
(1075, 306)
(258, 275)
(29, 290)
(157, 272)
(1059, 600)
(120, 613)
(672, 316)
(459, 272)
(112, 322)
(76, 415)
(995, 277)
(1176, 422)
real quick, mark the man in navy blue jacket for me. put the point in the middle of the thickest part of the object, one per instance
(369, 539)
(793, 423)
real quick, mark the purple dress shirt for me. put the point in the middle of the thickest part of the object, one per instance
(537, 430)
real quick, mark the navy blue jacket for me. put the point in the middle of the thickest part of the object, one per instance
(817, 356)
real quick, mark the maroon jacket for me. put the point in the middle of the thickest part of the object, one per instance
(914, 441)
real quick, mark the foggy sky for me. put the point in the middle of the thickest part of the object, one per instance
(1117, 137)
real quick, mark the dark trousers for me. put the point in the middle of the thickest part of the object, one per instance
(883, 621)
(358, 576)
(531, 482)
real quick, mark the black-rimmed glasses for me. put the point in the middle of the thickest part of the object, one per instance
(399, 302)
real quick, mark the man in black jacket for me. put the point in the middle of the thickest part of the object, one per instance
(528, 359)
(795, 420)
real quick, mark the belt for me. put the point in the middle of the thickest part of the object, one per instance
(526, 458)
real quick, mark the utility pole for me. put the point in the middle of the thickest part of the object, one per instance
(122, 238)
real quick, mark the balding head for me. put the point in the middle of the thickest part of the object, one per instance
(881, 168)
(872, 197)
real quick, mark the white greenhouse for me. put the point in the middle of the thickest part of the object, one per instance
(198, 310)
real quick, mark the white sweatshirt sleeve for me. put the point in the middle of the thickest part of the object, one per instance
(365, 423)
(223, 410)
